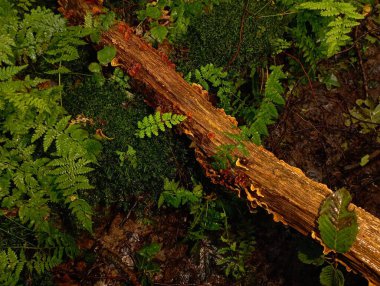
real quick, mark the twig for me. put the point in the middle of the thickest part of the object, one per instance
(303, 68)
(372, 156)
(364, 75)
(241, 33)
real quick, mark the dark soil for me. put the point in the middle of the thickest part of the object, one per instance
(311, 134)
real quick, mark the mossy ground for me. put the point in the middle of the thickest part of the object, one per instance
(214, 37)
(116, 114)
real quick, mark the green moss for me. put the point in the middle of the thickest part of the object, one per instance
(214, 38)
(117, 116)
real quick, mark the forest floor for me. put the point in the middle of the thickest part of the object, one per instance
(311, 134)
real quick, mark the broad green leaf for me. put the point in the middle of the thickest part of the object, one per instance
(308, 258)
(153, 12)
(364, 160)
(331, 276)
(159, 33)
(338, 225)
(149, 251)
(94, 67)
(106, 55)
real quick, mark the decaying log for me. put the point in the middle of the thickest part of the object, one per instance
(264, 180)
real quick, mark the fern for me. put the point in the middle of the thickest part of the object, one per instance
(11, 266)
(176, 196)
(343, 17)
(366, 113)
(25, 5)
(152, 124)
(211, 77)
(6, 46)
(267, 113)
(7, 73)
(181, 13)
(44, 160)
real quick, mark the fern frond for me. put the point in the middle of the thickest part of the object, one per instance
(39, 131)
(267, 112)
(7, 45)
(7, 73)
(342, 16)
(10, 267)
(211, 76)
(153, 123)
(83, 212)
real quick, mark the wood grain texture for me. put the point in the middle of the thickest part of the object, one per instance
(264, 180)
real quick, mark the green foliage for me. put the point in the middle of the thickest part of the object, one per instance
(331, 276)
(337, 224)
(41, 32)
(367, 115)
(152, 124)
(207, 217)
(214, 78)
(214, 37)
(258, 119)
(177, 14)
(311, 253)
(342, 18)
(314, 259)
(224, 157)
(44, 159)
(364, 160)
(176, 196)
(145, 265)
(234, 256)
(230, 99)
(115, 111)
(95, 25)
(10, 267)
(95, 67)
(25, 4)
(121, 79)
(130, 155)
(320, 28)
(106, 55)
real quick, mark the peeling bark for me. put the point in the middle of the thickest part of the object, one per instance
(264, 180)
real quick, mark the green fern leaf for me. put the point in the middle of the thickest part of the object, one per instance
(82, 210)
(38, 132)
(342, 16)
(152, 124)
(7, 45)
(7, 73)
(49, 138)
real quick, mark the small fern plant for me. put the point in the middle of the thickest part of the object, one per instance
(44, 158)
(170, 19)
(321, 28)
(266, 113)
(213, 78)
(152, 124)
(342, 18)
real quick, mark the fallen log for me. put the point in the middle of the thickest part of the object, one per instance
(264, 180)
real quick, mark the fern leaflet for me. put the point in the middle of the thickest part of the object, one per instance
(152, 124)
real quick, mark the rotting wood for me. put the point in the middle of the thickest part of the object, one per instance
(266, 181)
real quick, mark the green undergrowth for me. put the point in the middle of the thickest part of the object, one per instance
(214, 38)
(117, 113)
